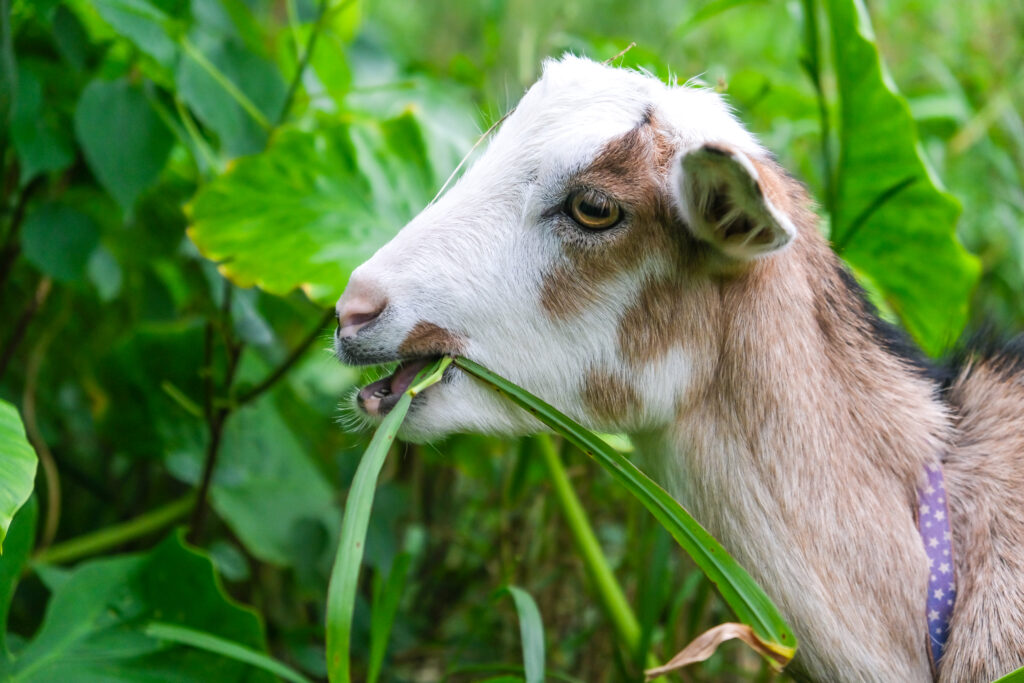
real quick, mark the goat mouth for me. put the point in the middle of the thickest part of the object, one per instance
(378, 398)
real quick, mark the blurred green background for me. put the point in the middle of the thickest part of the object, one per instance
(152, 147)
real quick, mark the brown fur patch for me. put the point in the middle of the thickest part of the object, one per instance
(428, 339)
(685, 309)
(633, 170)
(609, 398)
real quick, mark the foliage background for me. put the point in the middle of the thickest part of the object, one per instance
(133, 360)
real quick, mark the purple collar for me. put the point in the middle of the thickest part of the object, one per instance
(936, 533)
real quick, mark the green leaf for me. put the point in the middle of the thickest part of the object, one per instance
(531, 632)
(265, 485)
(341, 592)
(224, 648)
(19, 544)
(231, 89)
(892, 220)
(1013, 677)
(147, 26)
(124, 140)
(40, 137)
(386, 596)
(17, 466)
(314, 206)
(60, 240)
(740, 592)
(95, 624)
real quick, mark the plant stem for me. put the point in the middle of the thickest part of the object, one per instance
(10, 249)
(28, 404)
(202, 148)
(229, 87)
(216, 415)
(608, 590)
(21, 326)
(288, 363)
(307, 54)
(118, 534)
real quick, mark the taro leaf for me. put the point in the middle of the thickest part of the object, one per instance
(60, 240)
(40, 137)
(255, 77)
(17, 466)
(94, 628)
(314, 205)
(19, 545)
(124, 140)
(265, 487)
(891, 219)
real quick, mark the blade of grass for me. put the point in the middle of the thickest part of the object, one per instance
(1013, 677)
(740, 592)
(386, 596)
(609, 592)
(223, 647)
(531, 632)
(341, 592)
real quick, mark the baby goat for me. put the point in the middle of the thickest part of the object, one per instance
(627, 251)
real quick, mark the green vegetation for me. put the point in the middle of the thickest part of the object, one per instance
(186, 187)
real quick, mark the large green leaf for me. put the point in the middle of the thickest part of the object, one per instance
(207, 79)
(124, 140)
(315, 205)
(59, 240)
(265, 485)
(750, 603)
(17, 466)
(39, 135)
(12, 562)
(891, 219)
(145, 24)
(95, 624)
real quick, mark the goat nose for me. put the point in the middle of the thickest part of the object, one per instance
(359, 306)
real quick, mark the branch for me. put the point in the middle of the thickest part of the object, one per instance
(290, 361)
(216, 415)
(21, 326)
(10, 249)
(28, 406)
(307, 54)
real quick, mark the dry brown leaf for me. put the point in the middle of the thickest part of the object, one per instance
(704, 645)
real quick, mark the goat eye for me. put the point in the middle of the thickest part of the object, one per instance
(593, 210)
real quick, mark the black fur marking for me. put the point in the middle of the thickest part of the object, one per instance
(997, 350)
(893, 339)
(648, 117)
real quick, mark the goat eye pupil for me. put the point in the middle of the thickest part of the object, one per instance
(594, 211)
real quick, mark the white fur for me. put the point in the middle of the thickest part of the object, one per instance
(473, 262)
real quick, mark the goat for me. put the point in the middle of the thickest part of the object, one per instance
(627, 251)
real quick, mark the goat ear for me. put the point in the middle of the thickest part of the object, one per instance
(722, 199)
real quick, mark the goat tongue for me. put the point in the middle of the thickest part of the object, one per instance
(380, 397)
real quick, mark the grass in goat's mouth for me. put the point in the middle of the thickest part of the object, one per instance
(378, 398)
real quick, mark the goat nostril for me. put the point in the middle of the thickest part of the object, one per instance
(356, 314)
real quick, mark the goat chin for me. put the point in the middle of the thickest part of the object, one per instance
(628, 252)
